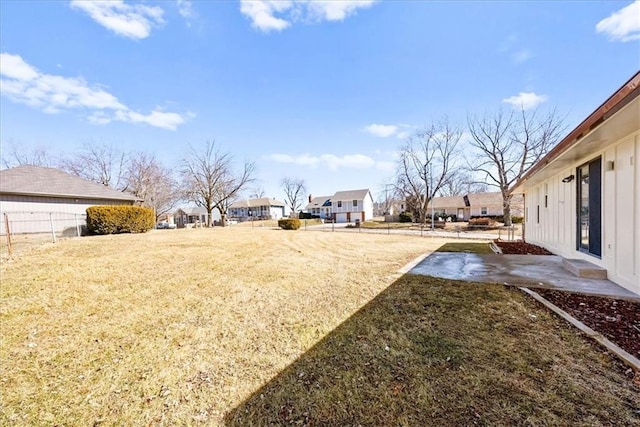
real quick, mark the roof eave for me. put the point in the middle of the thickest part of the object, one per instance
(623, 96)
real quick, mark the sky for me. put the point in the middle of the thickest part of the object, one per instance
(325, 91)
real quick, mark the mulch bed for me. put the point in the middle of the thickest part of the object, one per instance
(521, 248)
(616, 319)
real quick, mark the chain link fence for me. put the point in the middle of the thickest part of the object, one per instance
(451, 230)
(20, 230)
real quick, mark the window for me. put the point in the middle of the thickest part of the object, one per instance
(339, 203)
(355, 203)
(546, 197)
(483, 211)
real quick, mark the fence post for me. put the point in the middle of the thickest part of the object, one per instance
(8, 231)
(333, 225)
(53, 231)
(75, 217)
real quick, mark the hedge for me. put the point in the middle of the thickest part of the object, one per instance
(289, 224)
(119, 219)
(405, 217)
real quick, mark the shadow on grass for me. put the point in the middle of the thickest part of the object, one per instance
(429, 351)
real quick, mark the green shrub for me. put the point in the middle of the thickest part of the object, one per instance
(517, 219)
(119, 219)
(289, 224)
(405, 217)
(305, 215)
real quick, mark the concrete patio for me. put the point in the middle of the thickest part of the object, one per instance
(534, 271)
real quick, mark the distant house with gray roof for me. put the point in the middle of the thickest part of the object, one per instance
(36, 193)
(475, 204)
(343, 206)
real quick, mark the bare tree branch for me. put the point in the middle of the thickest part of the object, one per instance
(509, 144)
(210, 181)
(294, 190)
(426, 163)
(99, 162)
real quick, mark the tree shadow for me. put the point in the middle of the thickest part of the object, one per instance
(430, 351)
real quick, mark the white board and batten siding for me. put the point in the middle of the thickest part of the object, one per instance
(555, 226)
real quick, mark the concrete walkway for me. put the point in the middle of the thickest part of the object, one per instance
(534, 271)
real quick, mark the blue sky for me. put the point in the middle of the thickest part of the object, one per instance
(323, 91)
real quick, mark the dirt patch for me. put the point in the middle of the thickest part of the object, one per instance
(521, 248)
(618, 320)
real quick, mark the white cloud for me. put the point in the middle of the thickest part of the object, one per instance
(381, 131)
(185, 8)
(403, 135)
(23, 83)
(400, 131)
(332, 10)
(358, 161)
(331, 161)
(385, 166)
(623, 25)
(526, 100)
(303, 159)
(263, 12)
(521, 56)
(132, 21)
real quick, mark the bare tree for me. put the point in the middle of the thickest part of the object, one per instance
(20, 156)
(294, 190)
(425, 164)
(461, 182)
(99, 162)
(509, 144)
(149, 180)
(210, 181)
(257, 193)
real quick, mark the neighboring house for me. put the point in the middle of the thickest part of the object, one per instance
(46, 198)
(343, 206)
(582, 200)
(194, 217)
(262, 208)
(475, 204)
(319, 206)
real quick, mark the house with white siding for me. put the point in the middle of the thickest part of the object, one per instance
(343, 206)
(582, 200)
(194, 216)
(262, 208)
(47, 197)
(475, 204)
(319, 206)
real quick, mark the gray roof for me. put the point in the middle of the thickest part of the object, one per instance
(475, 199)
(350, 195)
(317, 202)
(252, 203)
(192, 210)
(50, 182)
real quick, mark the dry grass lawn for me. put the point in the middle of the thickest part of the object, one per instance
(175, 326)
(243, 326)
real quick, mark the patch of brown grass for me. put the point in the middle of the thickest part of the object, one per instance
(178, 327)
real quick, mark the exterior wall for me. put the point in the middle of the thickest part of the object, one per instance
(272, 212)
(356, 212)
(555, 225)
(39, 208)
